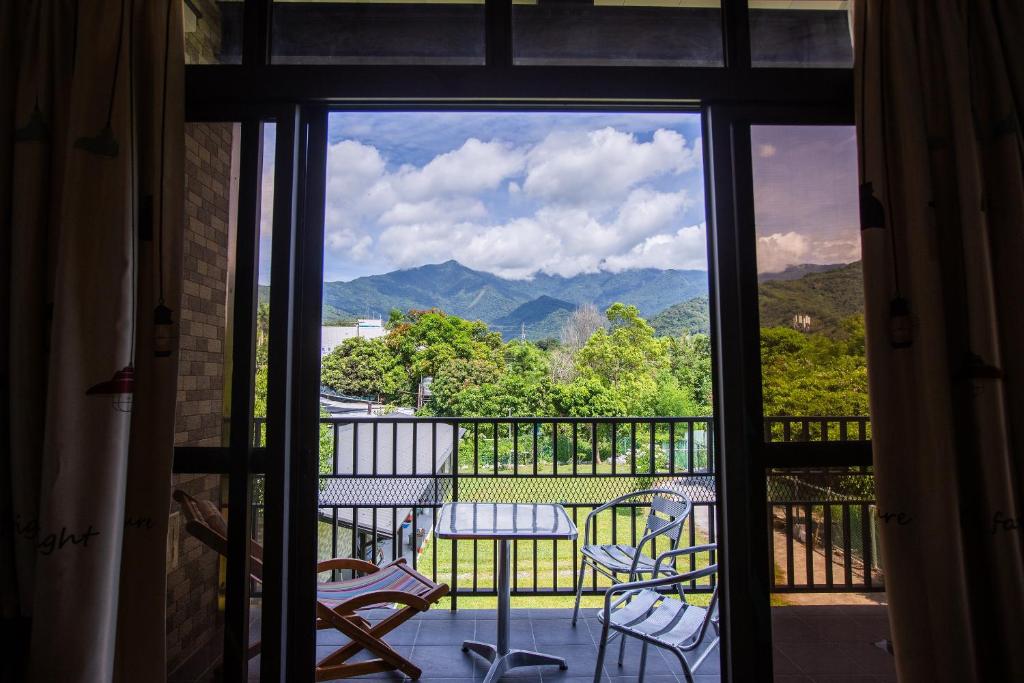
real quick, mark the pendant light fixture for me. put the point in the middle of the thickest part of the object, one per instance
(104, 143)
(164, 337)
(120, 387)
(163, 331)
(35, 130)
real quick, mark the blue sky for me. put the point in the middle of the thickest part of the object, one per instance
(563, 193)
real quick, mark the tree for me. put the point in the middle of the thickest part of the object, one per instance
(690, 361)
(363, 367)
(814, 374)
(627, 356)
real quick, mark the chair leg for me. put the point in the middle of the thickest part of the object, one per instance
(687, 674)
(643, 663)
(579, 591)
(622, 644)
(600, 652)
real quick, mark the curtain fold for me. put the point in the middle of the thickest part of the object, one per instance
(93, 213)
(939, 97)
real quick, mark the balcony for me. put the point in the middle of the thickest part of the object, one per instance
(383, 477)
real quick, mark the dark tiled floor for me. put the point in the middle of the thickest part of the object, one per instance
(831, 644)
(434, 640)
(812, 644)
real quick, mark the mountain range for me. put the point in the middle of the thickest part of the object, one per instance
(541, 303)
(674, 301)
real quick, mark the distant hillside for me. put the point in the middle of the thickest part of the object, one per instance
(798, 271)
(476, 295)
(827, 297)
(542, 317)
(688, 317)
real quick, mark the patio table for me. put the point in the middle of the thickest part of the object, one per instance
(505, 522)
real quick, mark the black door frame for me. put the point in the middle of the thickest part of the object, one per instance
(745, 458)
(298, 98)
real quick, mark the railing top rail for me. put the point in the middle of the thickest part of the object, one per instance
(800, 418)
(410, 419)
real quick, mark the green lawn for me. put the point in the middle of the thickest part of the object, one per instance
(540, 564)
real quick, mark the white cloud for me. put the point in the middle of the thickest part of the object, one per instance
(432, 210)
(474, 167)
(574, 202)
(578, 167)
(685, 248)
(781, 249)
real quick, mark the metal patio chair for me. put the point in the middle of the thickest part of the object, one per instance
(669, 509)
(641, 611)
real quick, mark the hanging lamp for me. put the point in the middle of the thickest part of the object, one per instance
(121, 387)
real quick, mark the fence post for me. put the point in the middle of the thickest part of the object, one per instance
(455, 498)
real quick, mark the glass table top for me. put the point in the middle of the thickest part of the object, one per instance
(505, 521)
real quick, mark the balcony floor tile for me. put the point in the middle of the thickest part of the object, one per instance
(804, 653)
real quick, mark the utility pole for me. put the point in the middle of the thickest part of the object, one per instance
(522, 331)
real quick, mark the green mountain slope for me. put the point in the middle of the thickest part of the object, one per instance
(476, 295)
(540, 318)
(827, 297)
(687, 317)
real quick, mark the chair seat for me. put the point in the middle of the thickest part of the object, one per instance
(618, 558)
(672, 622)
(392, 577)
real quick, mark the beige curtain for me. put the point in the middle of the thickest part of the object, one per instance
(940, 96)
(91, 189)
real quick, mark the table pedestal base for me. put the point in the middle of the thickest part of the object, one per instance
(513, 659)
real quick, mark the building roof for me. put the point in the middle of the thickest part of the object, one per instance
(393, 453)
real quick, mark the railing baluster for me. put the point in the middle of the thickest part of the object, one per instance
(396, 534)
(672, 447)
(651, 429)
(575, 441)
(847, 547)
(374, 449)
(515, 448)
(337, 448)
(413, 541)
(554, 447)
(394, 448)
(690, 446)
(632, 447)
(789, 545)
(334, 539)
(536, 433)
(809, 543)
(865, 538)
(771, 547)
(615, 455)
(828, 543)
(355, 448)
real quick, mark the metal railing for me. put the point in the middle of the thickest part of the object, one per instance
(383, 478)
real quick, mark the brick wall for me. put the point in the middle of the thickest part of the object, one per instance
(194, 630)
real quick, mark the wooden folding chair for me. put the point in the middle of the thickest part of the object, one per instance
(339, 603)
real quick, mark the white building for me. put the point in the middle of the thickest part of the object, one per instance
(331, 336)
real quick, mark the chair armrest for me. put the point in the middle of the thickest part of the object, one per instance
(710, 547)
(346, 563)
(636, 586)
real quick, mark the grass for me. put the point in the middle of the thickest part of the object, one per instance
(538, 564)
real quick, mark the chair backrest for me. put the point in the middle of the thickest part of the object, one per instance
(205, 522)
(666, 508)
